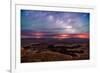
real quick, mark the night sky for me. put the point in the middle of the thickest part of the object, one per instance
(39, 24)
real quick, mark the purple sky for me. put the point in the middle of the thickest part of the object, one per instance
(49, 23)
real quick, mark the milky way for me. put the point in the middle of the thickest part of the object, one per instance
(52, 22)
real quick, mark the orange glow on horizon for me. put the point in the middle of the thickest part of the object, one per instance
(82, 36)
(38, 34)
(64, 36)
(60, 36)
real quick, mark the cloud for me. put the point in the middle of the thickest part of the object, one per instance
(56, 22)
(50, 18)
